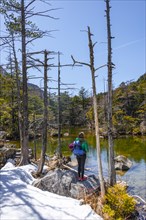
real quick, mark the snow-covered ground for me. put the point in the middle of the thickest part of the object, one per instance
(19, 200)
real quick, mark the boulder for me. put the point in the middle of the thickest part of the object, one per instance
(122, 163)
(66, 134)
(11, 152)
(6, 153)
(65, 183)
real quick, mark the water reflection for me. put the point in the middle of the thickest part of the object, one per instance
(132, 147)
(135, 176)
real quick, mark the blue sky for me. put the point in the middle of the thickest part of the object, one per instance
(129, 45)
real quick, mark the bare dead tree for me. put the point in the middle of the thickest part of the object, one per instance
(93, 70)
(45, 120)
(59, 152)
(59, 66)
(17, 71)
(35, 153)
(24, 149)
(37, 63)
(112, 172)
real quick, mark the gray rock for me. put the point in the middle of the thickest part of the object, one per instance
(122, 163)
(65, 183)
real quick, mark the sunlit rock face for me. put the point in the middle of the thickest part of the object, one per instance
(122, 163)
(65, 182)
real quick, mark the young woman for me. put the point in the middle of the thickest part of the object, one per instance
(80, 150)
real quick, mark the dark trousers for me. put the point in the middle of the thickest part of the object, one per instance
(81, 165)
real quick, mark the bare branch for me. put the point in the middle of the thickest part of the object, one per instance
(36, 60)
(94, 44)
(41, 14)
(100, 67)
(34, 66)
(65, 65)
(40, 52)
(40, 35)
(46, 2)
(36, 52)
(29, 11)
(69, 84)
(84, 31)
(32, 39)
(30, 3)
(36, 77)
(67, 88)
(81, 63)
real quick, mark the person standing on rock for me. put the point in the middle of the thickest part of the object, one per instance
(80, 148)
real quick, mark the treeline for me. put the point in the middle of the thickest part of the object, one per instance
(129, 108)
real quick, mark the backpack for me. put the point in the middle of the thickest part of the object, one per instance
(71, 146)
(77, 150)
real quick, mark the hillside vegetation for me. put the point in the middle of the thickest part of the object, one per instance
(129, 108)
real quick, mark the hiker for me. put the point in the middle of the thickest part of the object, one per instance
(80, 149)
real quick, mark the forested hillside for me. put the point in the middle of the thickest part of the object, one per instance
(129, 108)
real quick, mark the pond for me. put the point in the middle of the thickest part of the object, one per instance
(134, 148)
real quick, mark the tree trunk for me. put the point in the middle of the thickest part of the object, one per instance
(101, 180)
(59, 153)
(92, 68)
(18, 91)
(45, 121)
(112, 172)
(12, 99)
(24, 148)
(34, 120)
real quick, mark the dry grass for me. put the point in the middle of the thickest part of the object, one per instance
(95, 201)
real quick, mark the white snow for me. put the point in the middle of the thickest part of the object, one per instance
(19, 200)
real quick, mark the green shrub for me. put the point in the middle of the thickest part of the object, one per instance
(136, 130)
(118, 204)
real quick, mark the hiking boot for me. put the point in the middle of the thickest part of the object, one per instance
(83, 179)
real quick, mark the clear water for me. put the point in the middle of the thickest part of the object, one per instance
(135, 177)
(134, 148)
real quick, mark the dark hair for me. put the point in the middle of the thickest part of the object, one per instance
(81, 135)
